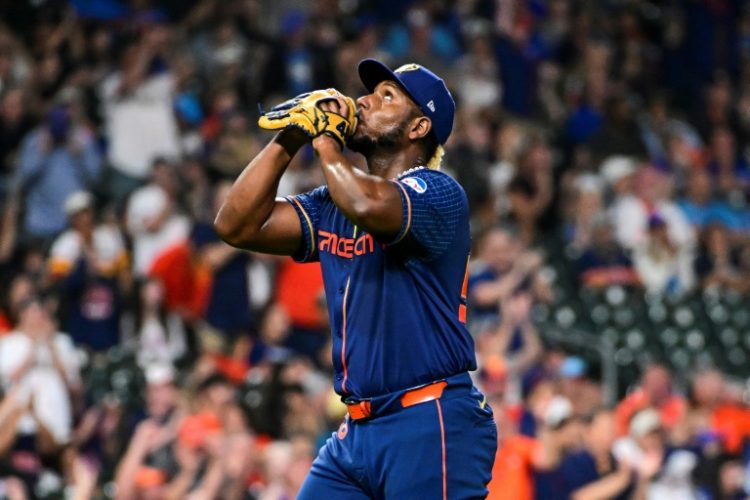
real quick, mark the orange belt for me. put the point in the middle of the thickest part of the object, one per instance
(363, 409)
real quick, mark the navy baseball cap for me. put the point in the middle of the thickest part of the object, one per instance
(423, 86)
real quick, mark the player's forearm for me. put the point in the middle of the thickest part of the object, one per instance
(366, 200)
(251, 198)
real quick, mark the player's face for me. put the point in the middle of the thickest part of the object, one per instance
(384, 117)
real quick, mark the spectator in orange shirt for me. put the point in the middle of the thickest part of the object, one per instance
(523, 463)
(299, 288)
(655, 391)
(719, 412)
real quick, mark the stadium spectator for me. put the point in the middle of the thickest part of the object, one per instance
(153, 219)
(604, 262)
(646, 437)
(502, 268)
(595, 473)
(90, 264)
(663, 267)
(56, 159)
(137, 102)
(701, 207)
(149, 462)
(159, 334)
(39, 369)
(717, 264)
(655, 391)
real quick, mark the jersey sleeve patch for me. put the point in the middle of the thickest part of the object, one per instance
(432, 206)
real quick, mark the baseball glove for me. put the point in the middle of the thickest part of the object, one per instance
(302, 112)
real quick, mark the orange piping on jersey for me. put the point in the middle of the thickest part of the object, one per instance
(309, 224)
(408, 213)
(442, 445)
(343, 335)
(464, 291)
(465, 286)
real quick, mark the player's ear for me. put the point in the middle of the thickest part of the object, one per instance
(420, 127)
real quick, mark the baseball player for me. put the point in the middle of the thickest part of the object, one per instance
(393, 245)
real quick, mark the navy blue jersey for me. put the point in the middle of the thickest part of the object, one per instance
(397, 308)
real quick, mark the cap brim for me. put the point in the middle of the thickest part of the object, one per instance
(372, 72)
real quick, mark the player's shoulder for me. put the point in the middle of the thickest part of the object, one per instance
(319, 194)
(426, 181)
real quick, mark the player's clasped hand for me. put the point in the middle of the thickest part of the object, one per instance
(315, 113)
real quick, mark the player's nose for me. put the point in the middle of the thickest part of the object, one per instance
(363, 102)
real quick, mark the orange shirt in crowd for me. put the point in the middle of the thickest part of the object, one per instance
(672, 411)
(187, 284)
(5, 324)
(298, 288)
(732, 423)
(512, 474)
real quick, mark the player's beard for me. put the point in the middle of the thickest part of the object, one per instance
(388, 140)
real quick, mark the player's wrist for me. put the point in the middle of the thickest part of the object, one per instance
(292, 139)
(325, 142)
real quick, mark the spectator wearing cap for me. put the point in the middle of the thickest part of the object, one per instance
(90, 265)
(526, 467)
(153, 220)
(577, 386)
(647, 441)
(149, 462)
(663, 267)
(56, 159)
(604, 262)
(560, 435)
(594, 472)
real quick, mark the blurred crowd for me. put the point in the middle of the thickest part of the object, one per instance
(603, 145)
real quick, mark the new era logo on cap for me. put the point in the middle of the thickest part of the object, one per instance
(407, 67)
(422, 85)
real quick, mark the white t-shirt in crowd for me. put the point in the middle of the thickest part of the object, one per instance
(108, 244)
(42, 381)
(145, 205)
(630, 218)
(141, 125)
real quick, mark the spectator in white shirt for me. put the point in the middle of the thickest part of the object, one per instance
(153, 220)
(138, 112)
(42, 363)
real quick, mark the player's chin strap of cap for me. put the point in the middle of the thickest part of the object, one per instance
(359, 410)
